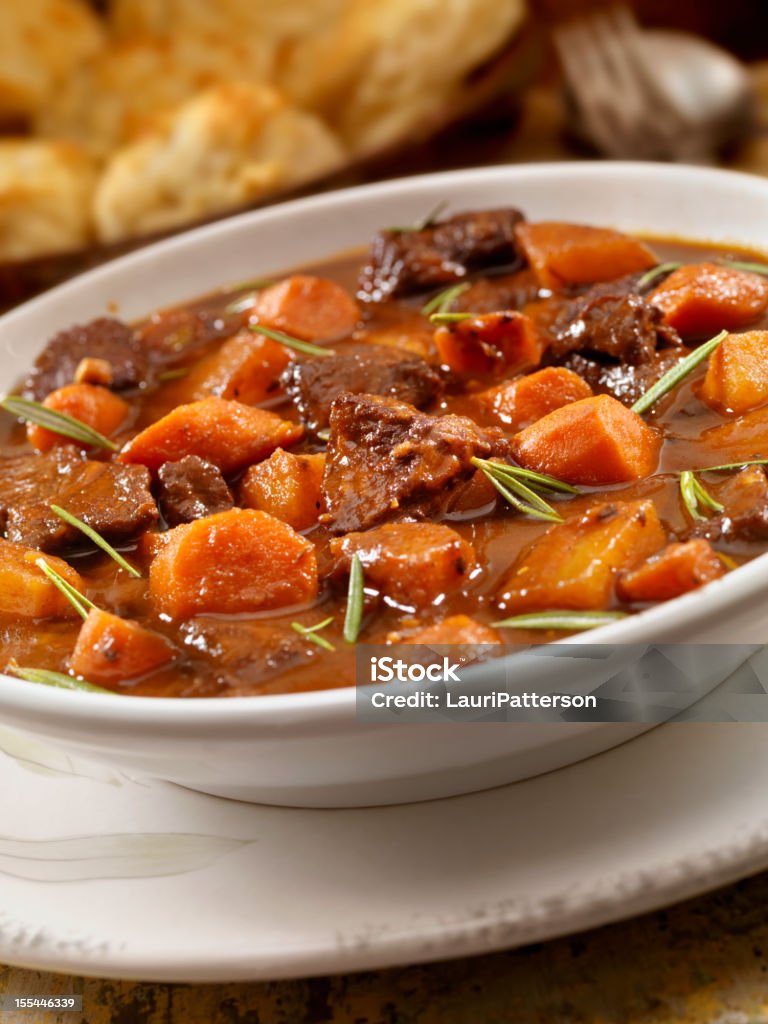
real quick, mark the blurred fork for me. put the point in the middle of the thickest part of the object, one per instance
(623, 107)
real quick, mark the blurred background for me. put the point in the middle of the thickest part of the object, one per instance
(126, 120)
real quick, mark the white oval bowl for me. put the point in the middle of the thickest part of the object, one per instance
(308, 749)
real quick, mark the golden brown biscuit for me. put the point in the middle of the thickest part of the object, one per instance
(46, 190)
(224, 148)
(41, 41)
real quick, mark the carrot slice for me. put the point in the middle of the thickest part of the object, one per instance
(737, 375)
(704, 298)
(492, 343)
(112, 650)
(593, 441)
(287, 486)
(229, 434)
(307, 307)
(672, 572)
(26, 592)
(247, 368)
(412, 563)
(574, 565)
(232, 562)
(93, 405)
(562, 254)
(521, 402)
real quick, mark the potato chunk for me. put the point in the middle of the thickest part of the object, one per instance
(562, 254)
(287, 486)
(228, 434)
(457, 629)
(310, 308)
(411, 563)
(594, 441)
(246, 368)
(26, 592)
(672, 572)
(704, 298)
(112, 650)
(574, 565)
(737, 374)
(233, 562)
(520, 402)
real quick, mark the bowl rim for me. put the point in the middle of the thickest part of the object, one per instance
(728, 593)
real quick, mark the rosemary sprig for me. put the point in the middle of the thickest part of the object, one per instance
(79, 601)
(325, 434)
(752, 268)
(355, 601)
(654, 272)
(450, 318)
(550, 483)
(425, 222)
(677, 374)
(289, 342)
(517, 493)
(248, 301)
(695, 495)
(439, 303)
(49, 678)
(97, 539)
(733, 465)
(560, 620)
(58, 422)
(311, 633)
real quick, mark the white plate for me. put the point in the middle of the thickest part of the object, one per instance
(103, 875)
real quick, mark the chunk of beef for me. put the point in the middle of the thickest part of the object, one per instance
(623, 327)
(191, 489)
(172, 333)
(245, 652)
(104, 339)
(745, 516)
(114, 500)
(623, 380)
(386, 460)
(314, 383)
(404, 262)
(491, 294)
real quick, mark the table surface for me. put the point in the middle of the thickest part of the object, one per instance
(705, 960)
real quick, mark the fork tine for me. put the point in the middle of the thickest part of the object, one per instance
(591, 85)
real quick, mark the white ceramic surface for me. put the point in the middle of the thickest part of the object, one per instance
(104, 875)
(309, 749)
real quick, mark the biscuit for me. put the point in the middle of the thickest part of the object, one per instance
(46, 190)
(226, 147)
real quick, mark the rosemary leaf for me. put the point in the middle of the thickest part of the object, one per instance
(97, 539)
(733, 465)
(677, 374)
(355, 601)
(751, 268)
(450, 318)
(560, 620)
(79, 601)
(439, 303)
(511, 487)
(694, 495)
(289, 342)
(311, 633)
(324, 435)
(58, 422)
(48, 678)
(551, 483)
(654, 272)
(728, 562)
